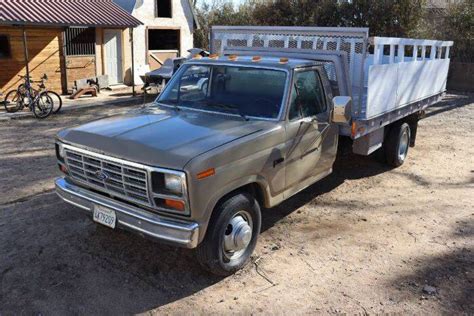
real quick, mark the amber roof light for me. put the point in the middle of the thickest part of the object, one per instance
(256, 58)
(232, 57)
(283, 60)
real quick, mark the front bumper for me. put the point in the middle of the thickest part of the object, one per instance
(175, 232)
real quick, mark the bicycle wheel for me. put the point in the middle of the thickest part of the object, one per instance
(43, 106)
(13, 101)
(57, 101)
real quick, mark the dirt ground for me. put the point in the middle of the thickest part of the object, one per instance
(367, 239)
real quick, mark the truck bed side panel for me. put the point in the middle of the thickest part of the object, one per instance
(392, 86)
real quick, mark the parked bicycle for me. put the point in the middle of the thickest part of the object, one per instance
(38, 101)
(17, 99)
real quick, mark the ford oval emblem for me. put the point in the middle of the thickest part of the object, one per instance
(101, 175)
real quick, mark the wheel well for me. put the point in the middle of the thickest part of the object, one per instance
(252, 188)
(412, 121)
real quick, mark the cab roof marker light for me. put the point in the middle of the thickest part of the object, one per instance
(256, 58)
(214, 56)
(232, 57)
(283, 60)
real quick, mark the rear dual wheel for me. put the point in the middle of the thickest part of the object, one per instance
(396, 144)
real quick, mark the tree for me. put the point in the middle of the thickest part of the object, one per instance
(220, 12)
(397, 18)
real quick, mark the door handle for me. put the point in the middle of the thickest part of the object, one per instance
(278, 161)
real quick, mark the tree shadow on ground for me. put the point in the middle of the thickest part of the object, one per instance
(449, 103)
(452, 274)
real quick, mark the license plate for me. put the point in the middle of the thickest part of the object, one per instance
(104, 216)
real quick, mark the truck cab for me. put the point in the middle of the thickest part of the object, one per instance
(250, 129)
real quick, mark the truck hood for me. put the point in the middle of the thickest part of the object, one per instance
(161, 138)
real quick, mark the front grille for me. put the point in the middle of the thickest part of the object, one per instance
(111, 177)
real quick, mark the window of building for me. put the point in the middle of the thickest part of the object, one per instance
(80, 41)
(163, 8)
(4, 46)
(163, 39)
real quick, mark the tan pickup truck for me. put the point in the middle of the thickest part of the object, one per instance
(236, 132)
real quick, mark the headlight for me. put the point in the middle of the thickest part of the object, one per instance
(174, 183)
(60, 153)
(169, 191)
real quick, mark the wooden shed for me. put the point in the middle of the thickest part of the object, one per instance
(66, 39)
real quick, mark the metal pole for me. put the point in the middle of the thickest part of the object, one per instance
(133, 62)
(25, 47)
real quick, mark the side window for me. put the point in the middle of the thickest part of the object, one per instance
(307, 98)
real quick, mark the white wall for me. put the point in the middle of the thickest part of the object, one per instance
(182, 17)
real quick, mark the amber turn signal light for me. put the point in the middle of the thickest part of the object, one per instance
(176, 205)
(62, 168)
(206, 173)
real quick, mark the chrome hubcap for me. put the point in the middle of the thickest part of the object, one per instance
(403, 147)
(238, 235)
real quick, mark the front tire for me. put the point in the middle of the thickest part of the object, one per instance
(43, 107)
(396, 144)
(231, 236)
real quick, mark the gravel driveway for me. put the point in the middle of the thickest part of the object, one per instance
(367, 239)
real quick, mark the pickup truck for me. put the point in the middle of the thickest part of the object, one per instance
(245, 128)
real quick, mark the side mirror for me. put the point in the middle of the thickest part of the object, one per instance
(342, 109)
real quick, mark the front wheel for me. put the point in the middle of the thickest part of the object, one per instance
(231, 235)
(43, 106)
(57, 101)
(396, 144)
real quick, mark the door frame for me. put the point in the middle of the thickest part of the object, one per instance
(120, 73)
(321, 129)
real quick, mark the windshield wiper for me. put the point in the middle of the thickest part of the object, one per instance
(171, 103)
(229, 107)
(242, 114)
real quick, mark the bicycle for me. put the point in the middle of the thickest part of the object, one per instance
(38, 101)
(57, 101)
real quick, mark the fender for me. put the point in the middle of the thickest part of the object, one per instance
(230, 187)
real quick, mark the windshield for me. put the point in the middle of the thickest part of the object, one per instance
(244, 91)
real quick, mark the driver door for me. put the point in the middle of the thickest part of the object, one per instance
(311, 139)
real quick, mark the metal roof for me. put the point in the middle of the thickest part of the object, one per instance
(93, 13)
